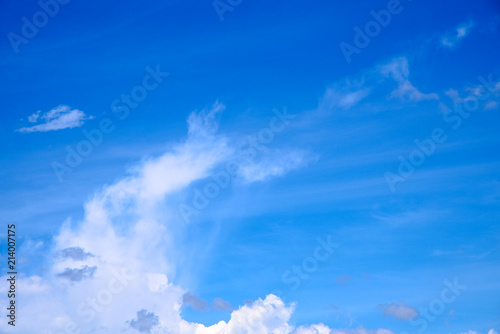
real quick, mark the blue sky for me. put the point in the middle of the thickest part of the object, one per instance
(388, 152)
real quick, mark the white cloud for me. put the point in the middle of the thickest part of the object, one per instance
(399, 311)
(61, 117)
(112, 271)
(270, 315)
(471, 93)
(398, 70)
(313, 329)
(34, 117)
(343, 97)
(450, 40)
(361, 91)
(322, 329)
(272, 163)
(361, 331)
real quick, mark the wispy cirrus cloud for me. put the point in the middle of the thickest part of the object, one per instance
(488, 88)
(348, 94)
(450, 40)
(58, 118)
(273, 163)
(398, 69)
(343, 97)
(491, 105)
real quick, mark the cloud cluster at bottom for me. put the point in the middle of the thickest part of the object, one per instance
(112, 272)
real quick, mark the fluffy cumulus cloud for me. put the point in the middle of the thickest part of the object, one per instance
(61, 117)
(322, 329)
(112, 271)
(314, 329)
(269, 315)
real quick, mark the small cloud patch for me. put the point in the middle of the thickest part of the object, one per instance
(194, 301)
(61, 117)
(450, 40)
